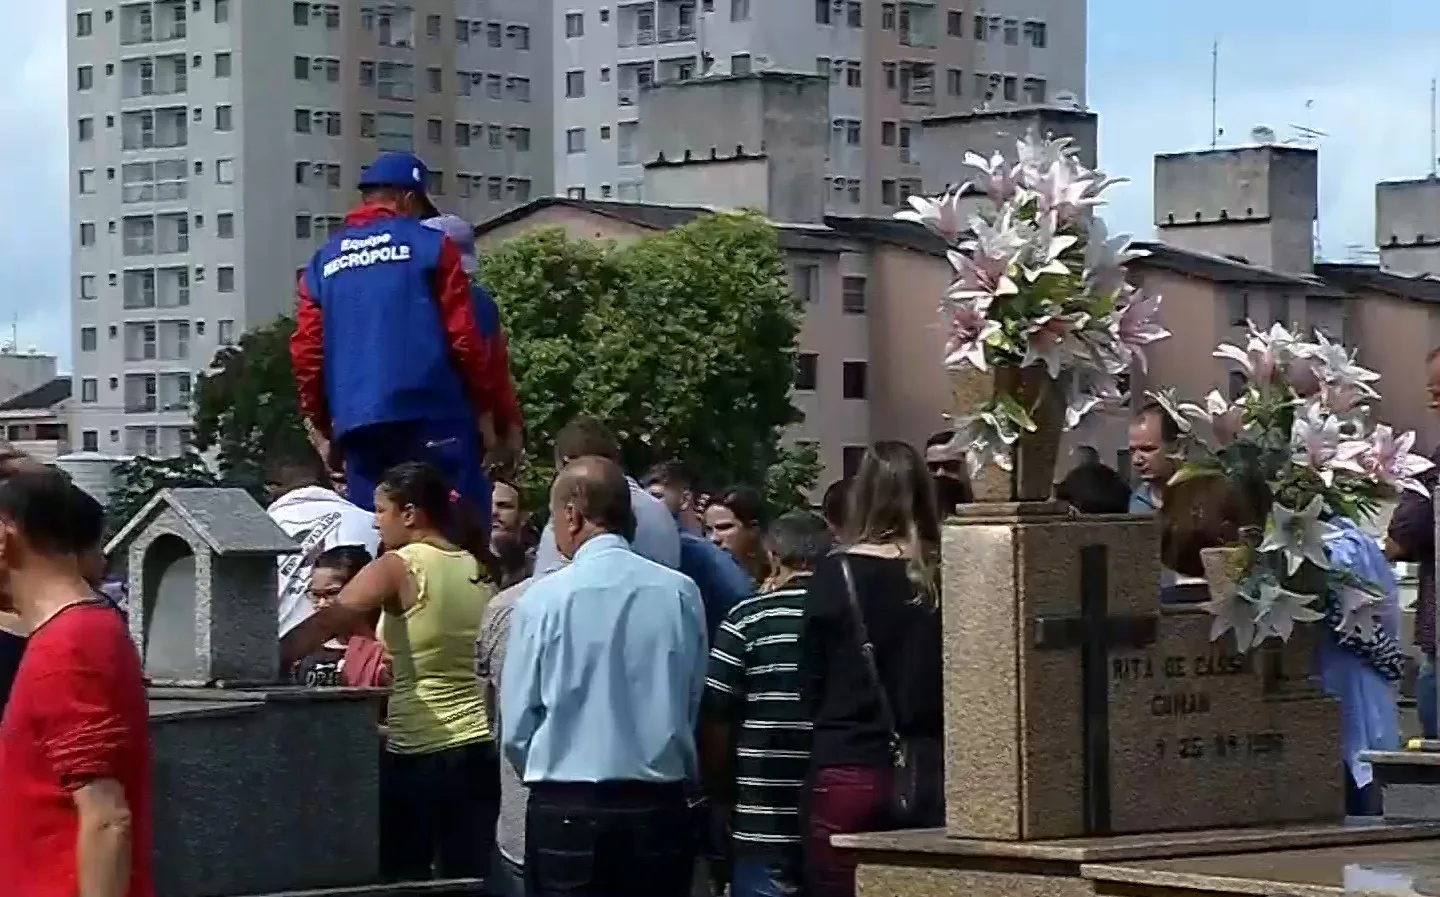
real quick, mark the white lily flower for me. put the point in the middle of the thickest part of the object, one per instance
(1299, 534)
(1359, 611)
(1315, 440)
(1280, 610)
(1234, 613)
(942, 215)
(1389, 460)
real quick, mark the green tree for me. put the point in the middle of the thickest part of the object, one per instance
(245, 408)
(138, 479)
(683, 343)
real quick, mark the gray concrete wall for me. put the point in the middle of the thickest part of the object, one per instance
(781, 118)
(1407, 225)
(1257, 202)
(949, 137)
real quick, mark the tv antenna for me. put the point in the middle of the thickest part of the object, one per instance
(1305, 135)
(1434, 155)
(1215, 94)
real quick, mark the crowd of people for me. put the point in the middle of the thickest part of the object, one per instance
(641, 688)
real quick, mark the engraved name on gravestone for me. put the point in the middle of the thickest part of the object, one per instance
(202, 576)
(1203, 736)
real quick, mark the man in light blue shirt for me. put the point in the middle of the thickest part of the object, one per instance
(599, 699)
(656, 535)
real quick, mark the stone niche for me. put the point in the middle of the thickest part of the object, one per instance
(201, 568)
(1076, 706)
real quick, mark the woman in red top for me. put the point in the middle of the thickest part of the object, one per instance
(74, 742)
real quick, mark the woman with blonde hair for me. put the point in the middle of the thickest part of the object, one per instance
(870, 667)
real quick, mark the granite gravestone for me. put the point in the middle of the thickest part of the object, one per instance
(202, 579)
(1102, 714)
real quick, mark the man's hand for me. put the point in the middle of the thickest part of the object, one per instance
(326, 448)
(503, 459)
(103, 839)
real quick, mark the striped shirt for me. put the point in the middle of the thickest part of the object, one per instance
(754, 686)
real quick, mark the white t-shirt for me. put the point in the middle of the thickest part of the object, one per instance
(319, 519)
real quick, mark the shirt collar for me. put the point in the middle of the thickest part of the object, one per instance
(601, 543)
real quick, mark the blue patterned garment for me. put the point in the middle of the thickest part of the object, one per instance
(1358, 673)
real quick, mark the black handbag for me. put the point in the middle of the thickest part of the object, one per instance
(905, 796)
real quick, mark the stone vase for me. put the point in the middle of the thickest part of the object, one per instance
(1223, 570)
(1034, 455)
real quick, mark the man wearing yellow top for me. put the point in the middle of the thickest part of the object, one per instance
(440, 777)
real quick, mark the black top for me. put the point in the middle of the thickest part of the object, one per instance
(12, 647)
(905, 633)
(319, 670)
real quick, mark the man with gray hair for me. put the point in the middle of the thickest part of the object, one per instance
(755, 732)
(599, 698)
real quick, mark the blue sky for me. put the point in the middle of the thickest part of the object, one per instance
(1365, 70)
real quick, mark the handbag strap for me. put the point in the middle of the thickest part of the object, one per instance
(867, 648)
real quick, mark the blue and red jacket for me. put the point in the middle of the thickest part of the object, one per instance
(386, 332)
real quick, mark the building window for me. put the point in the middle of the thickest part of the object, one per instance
(954, 82)
(87, 286)
(89, 441)
(226, 334)
(850, 458)
(225, 279)
(223, 119)
(979, 32)
(85, 77)
(300, 14)
(1035, 34)
(807, 365)
(302, 227)
(224, 171)
(805, 283)
(302, 121)
(434, 130)
(575, 84)
(574, 24)
(739, 10)
(852, 14)
(222, 11)
(367, 73)
(822, 12)
(87, 339)
(887, 193)
(89, 390)
(852, 74)
(570, 192)
(433, 80)
(87, 233)
(891, 78)
(887, 16)
(302, 68)
(225, 225)
(1012, 33)
(223, 62)
(84, 24)
(955, 23)
(87, 180)
(1238, 303)
(521, 34)
(852, 378)
(852, 295)
(1010, 88)
(85, 130)
(432, 27)
(1034, 90)
(740, 64)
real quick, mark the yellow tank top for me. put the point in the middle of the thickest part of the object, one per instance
(436, 701)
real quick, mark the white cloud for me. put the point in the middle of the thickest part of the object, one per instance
(35, 246)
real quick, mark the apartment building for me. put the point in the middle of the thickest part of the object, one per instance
(215, 144)
(890, 65)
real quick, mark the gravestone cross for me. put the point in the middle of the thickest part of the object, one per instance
(1095, 632)
(203, 587)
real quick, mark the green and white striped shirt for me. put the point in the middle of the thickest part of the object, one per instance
(754, 685)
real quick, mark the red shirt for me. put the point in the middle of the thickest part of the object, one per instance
(78, 712)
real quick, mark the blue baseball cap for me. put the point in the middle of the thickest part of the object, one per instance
(402, 171)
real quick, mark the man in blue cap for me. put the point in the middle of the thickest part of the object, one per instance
(390, 363)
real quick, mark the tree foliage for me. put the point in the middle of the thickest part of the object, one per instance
(683, 343)
(246, 408)
(138, 479)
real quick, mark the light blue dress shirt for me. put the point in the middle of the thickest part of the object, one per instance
(1369, 719)
(604, 670)
(657, 535)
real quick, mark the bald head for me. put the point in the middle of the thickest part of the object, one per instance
(593, 493)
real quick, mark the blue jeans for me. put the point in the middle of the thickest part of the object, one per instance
(751, 877)
(452, 446)
(1425, 698)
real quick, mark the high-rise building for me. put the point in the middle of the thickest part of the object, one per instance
(215, 144)
(890, 64)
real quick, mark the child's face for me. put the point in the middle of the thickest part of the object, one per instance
(325, 586)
